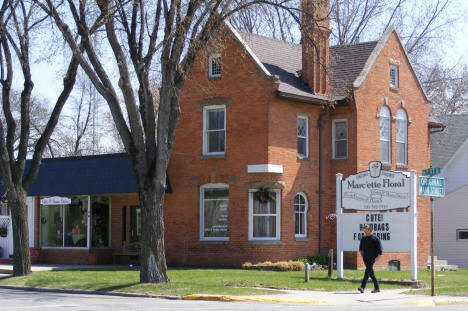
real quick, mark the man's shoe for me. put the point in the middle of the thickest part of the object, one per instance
(360, 289)
(376, 291)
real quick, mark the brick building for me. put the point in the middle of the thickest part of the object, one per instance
(264, 128)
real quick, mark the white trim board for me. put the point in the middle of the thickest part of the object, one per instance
(265, 168)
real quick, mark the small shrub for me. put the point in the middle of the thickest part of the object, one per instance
(278, 266)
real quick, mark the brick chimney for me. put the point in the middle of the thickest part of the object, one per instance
(315, 44)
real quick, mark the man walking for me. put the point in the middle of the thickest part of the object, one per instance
(370, 249)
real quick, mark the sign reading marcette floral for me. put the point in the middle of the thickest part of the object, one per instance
(376, 189)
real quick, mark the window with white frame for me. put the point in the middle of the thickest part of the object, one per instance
(462, 234)
(385, 129)
(302, 136)
(402, 137)
(214, 212)
(215, 65)
(264, 214)
(340, 138)
(214, 130)
(300, 215)
(393, 76)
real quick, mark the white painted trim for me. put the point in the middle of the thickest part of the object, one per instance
(265, 168)
(305, 214)
(205, 138)
(202, 208)
(247, 49)
(376, 52)
(210, 67)
(414, 225)
(339, 212)
(333, 139)
(278, 216)
(306, 155)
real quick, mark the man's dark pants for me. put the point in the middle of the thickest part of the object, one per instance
(369, 273)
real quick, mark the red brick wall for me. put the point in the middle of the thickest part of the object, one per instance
(370, 97)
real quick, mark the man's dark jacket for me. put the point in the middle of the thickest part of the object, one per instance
(370, 247)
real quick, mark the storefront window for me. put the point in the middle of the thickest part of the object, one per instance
(64, 224)
(76, 222)
(51, 225)
(100, 207)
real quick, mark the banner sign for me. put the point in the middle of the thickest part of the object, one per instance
(376, 190)
(55, 201)
(393, 230)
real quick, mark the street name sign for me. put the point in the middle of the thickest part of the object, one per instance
(431, 186)
(431, 171)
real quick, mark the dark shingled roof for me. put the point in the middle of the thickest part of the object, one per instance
(284, 59)
(444, 144)
(86, 175)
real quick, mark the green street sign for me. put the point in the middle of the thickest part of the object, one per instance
(431, 186)
(431, 171)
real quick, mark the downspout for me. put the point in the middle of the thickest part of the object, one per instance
(320, 126)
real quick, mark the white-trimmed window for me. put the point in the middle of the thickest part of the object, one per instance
(264, 215)
(302, 136)
(215, 65)
(393, 76)
(214, 212)
(300, 215)
(340, 138)
(402, 137)
(214, 130)
(462, 234)
(385, 130)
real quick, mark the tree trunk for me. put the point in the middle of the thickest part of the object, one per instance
(153, 267)
(19, 218)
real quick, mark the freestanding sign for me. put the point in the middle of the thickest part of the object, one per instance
(374, 191)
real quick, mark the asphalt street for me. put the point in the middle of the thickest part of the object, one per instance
(33, 300)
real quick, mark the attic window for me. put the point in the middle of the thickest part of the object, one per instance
(393, 76)
(215, 66)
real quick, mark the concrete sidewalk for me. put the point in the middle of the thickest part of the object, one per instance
(394, 297)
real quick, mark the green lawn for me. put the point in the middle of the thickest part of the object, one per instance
(185, 281)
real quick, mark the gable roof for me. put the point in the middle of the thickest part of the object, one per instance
(445, 144)
(349, 64)
(85, 175)
(284, 60)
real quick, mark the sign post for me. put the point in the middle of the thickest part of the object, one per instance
(433, 187)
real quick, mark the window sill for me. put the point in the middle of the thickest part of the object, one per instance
(301, 239)
(402, 166)
(302, 158)
(264, 241)
(213, 241)
(394, 89)
(213, 156)
(339, 159)
(214, 77)
(386, 166)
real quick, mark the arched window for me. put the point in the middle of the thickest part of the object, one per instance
(385, 130)
(300, 213)
(402, 137)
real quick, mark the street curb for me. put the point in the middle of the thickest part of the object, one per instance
(435, 302)
(254, 299)
(89, 292)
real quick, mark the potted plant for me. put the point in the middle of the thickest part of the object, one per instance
(3, 231)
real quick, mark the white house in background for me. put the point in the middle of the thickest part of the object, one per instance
(449, 151)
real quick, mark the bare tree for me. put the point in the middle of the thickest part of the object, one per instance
(448, 87)
(135, 33)
(18, 22)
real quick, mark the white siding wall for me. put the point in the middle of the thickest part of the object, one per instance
(451, 213)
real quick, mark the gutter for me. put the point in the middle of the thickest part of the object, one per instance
(319, 101)
(320, 126)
